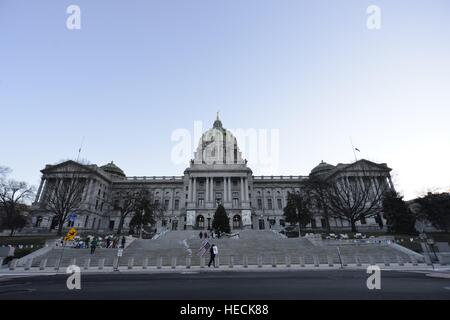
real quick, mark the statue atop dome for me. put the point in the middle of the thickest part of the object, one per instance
(218, 123)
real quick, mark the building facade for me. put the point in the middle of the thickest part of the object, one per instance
(217, 174)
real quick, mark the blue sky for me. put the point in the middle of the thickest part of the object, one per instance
(138, 70)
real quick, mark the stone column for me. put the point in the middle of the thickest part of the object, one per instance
(391, 184)
(246, 189)
(85, 190)
(242, 190)
(89, 192)
(38, 194)
(207, 190)
(211, 185)
(230, 196)
(194, 189)
(225, 198)
(190, 190)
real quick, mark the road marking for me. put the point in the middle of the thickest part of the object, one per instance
(189, 272)
(8, 285)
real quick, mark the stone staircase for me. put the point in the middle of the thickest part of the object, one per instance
(252, 244)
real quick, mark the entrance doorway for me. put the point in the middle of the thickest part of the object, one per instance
(200, 223)
(261, 224)
(237, 222)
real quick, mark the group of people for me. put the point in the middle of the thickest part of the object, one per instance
(206, 236)
(109, 242)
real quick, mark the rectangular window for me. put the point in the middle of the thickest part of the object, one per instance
(201, 203)
(269, 204)
(259, 204)
(218, 197)
(280, 204)
(177, 204)
(363, 220)
(166, 205)
(235, 202)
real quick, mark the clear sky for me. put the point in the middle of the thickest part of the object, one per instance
(138, 70)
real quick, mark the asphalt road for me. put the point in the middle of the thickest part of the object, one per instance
(228, 285)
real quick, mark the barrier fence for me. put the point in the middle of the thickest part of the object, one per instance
(221, 262)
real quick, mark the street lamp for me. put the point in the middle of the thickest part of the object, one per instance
(142, 224)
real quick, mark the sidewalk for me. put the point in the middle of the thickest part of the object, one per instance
(438, 271)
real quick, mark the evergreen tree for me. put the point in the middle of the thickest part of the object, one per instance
(221, 222)
(399, 217)
(435, 207)
(297, 210)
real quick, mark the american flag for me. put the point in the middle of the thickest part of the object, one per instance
(204, 248)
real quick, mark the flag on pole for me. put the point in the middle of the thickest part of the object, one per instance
(204, 248)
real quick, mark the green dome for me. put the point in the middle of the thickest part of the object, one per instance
(322, 168)
(113, 169)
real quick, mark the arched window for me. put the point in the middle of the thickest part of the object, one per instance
(236, 222)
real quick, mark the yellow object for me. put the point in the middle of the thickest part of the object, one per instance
(71, 235)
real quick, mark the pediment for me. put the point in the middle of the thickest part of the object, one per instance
(67, 167)
(361, 166)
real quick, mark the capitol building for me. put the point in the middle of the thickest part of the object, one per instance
(217, 175)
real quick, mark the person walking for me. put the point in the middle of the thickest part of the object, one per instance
(213, 252)
(108, 242)
(123, 242)
(205, 235)
(86, 242)
(200, 235)
(93, 245)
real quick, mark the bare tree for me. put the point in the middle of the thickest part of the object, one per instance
(13, 198)
(131, 202)
(4, 171)
(318, 190)
(355, 198)
(65, 197)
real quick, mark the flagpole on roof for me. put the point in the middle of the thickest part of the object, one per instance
(353, 149)
(81, 147)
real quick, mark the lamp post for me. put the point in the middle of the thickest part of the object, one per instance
(142, 224)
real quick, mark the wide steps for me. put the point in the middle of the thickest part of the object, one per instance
(252, 244)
